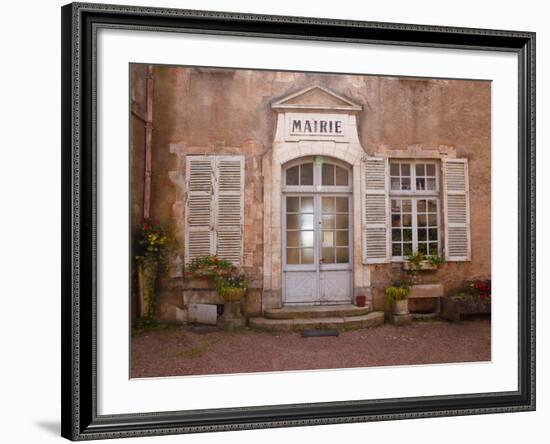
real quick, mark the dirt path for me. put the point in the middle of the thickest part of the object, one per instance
(181, 351)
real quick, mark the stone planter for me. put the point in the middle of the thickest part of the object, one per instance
(400, 307)
(147, 278)
(452, 309)
(233, 294)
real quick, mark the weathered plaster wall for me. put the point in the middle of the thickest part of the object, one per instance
(207, 111)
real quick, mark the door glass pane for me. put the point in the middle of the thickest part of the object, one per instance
(342, 204)
(292, 221)
(306, 221)
(292, 239)
(306, 238)
(328, 238)
(341, 221)
(306, 174)
(307, 255)
(328, 255)
(292, 204)
(292, 175)
(292, 256)
(327, 174)
(342, 255)
(328, 221)
(328, 205)
(341, 176)
(307, 204)
(342, 238)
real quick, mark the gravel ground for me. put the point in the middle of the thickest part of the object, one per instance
(179, 351)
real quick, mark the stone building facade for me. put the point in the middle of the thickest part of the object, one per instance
(317, 185)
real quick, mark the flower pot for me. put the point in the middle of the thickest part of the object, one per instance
(361, 300)
(424, 266)
(233, 294)
(400, 307)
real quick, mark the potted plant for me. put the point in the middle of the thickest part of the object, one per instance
(207, 268)
(472, 299)
(232, 284)
(153, 243)
(419, 261)
(397, 298)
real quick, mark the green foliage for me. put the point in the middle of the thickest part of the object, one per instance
(224, 273)
(397, 293)
(416, 259)
(153, 242)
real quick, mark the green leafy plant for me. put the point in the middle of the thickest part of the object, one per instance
(416, 260)
(206, 267)
(397, 293)
(435, 259)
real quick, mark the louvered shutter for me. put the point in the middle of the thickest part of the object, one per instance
(456, 209)
(199, 223)
(375, 211)
(229, 208)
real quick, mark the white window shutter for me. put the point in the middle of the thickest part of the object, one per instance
(199, 223)
(229, 208)
(456, 209)
(374, 181)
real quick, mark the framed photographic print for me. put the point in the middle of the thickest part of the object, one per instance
(278, 221)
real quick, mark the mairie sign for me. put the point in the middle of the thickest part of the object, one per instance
(317, 127)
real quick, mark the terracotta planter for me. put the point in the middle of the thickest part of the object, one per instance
(400, 307)
(233, 294)
(361, 300)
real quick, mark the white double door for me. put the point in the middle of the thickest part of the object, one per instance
(317, 249)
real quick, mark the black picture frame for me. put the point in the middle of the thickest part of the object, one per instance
(79, 170)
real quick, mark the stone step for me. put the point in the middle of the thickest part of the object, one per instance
(315, 311)
(373, 319)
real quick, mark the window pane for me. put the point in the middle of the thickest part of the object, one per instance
(306, 221)
(432, 206)
(405, 169)
(405, 184)
(327, 174)
(292, 221)
(328, 221)
(396, 250)
(341, 221)
(421, 220)
(307, 255)
(306, 238)
(395, 235)
(432, 220)
(422, 235)
(407, 235)
(328, 205)
(292, 204)
(342, 238)
(306, 174)
(307, 204)
(421, 184)
(292, 256)
(341, 176)
(422, 247)
(433, 248)
(342, 255)
(394, 169)
(395, 184)
(292, 238)
(407, 220)
(420, 169)
(395, 205)
(431, 184)
(342, 204)
(292, 176)
(328, 238)
(430, 170)
(432, 234)
(395, 220)
(328, 255)
(421, 206)
(407, 249)
(407, 207)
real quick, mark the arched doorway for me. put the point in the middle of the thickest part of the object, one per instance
(317, 232)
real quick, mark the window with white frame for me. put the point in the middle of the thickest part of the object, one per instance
(414, 203)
